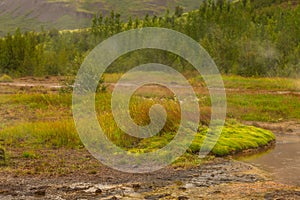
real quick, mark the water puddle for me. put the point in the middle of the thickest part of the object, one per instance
(282, 162)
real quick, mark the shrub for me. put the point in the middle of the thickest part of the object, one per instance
(5, 79)
(68, 85)
(2, 156)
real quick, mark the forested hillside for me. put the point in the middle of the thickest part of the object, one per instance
(248, 38)
(75, 14)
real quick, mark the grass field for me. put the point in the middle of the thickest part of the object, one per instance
(47, 124)
(262, 83)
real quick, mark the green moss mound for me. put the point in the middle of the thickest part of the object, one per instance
(235, 138)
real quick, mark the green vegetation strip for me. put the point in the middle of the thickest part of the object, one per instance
(249, 107)
(234, 138)
(274, 83)
(263, 107)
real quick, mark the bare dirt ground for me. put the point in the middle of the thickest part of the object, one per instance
(53, 84)
(75, 174)
(31, 85)
(288, 127)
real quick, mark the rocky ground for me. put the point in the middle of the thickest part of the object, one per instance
(221, 178)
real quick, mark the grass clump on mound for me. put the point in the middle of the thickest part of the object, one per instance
(5, 79)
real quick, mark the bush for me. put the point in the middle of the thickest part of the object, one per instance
(68, 85)
(5, 79)
(2, 156)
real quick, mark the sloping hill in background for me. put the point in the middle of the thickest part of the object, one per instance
(73, 14)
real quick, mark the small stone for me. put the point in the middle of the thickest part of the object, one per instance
(182, 198)
(156, 196)
(98, 191)
(40, 193)
(179, 183)
(290, 130)
(182, 188)
(136, 186)
(189, 185)
(3, 191)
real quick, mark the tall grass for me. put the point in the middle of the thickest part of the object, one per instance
(63, 133)
(41, 100)
(42, 134)
(139, 110)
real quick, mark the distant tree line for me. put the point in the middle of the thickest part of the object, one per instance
(44, 53)
(248, 38)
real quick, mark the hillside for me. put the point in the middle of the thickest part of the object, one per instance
(69, 14)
